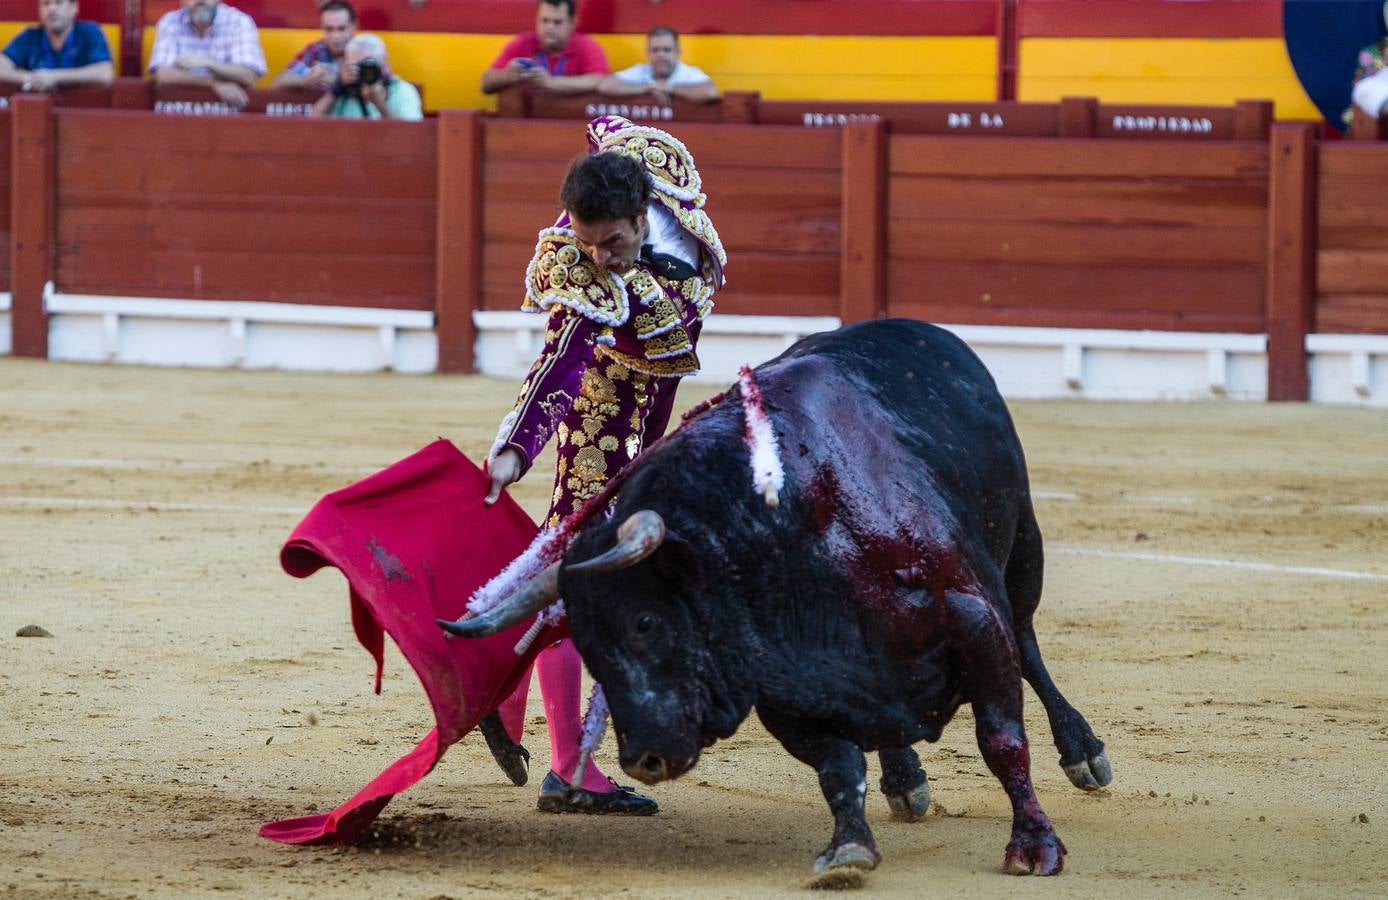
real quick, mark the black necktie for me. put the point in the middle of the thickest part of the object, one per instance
(665, 265)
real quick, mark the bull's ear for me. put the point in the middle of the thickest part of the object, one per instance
(676, 562)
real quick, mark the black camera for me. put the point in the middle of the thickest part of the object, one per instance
(369, 71)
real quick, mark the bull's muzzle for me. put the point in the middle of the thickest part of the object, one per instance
(648, 769)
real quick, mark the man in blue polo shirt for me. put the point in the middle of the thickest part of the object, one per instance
(58, 52)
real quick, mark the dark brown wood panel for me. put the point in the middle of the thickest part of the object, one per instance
(1094, 201)
(1352, 313)
(242, 135)
(1079, 243)
(1075, 158)
(333, 280)
(1342, 271)
(1072, 317)
(247, 208)
(5, 188)
(737, 302)
(1352, 258)
(396, 229)
(1208, 298)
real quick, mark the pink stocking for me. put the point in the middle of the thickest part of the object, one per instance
(512, 708)
(561, 674)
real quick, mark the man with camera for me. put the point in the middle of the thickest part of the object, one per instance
(365, 87)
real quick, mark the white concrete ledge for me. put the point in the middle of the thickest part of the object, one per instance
(1349, 368)
(1026, 362)
(1122, 365)
(244, 310)
(507, 341)
(238, 333)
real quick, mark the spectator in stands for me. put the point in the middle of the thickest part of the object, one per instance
(663, 75)
(316, 65)
(1370, 91)
(210, 44)
(367, 89)
(553, 58)
(57, 52)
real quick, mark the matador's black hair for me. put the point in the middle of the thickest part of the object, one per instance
(607, 185)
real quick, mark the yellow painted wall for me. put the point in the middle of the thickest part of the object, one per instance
(9, 29)
(1205, 71)
(450, 66)
(810, 67)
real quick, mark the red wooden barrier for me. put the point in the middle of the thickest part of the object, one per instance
(458, 236)
(735, 107)
(1226, 235)
(863, 222)
(83, 97)
(1072, 117)
(304, 211)
(1090, 234)
(5, 179)
(31, 218)
(1291, 259)
(1352, 256)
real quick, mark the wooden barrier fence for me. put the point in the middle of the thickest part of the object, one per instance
(1274, 236)
(1246, 120)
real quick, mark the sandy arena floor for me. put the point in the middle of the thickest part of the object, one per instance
(192, 691)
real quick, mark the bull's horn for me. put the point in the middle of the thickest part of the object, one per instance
(637, 539)
(531, 597)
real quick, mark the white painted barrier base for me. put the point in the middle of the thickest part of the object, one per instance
(1027, 362)
(6, 340)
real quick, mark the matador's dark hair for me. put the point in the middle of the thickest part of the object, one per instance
(607, 185)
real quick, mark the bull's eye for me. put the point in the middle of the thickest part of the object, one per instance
(644, 623)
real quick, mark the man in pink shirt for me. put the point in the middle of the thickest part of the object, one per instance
(552, 58)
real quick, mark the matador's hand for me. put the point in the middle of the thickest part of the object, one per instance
(504, 470)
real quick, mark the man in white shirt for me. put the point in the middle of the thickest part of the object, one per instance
(662, 75)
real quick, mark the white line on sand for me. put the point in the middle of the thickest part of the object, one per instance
(162, 506)
(64, 463)
(146, 505)
(166, 464)
(1373, 509)
(1221, 563)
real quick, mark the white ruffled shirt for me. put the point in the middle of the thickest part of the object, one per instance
(666, 235)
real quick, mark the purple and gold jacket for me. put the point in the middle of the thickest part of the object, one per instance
(640, 321)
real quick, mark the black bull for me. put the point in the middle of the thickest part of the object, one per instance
(896, 579)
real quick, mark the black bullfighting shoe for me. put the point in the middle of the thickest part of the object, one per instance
(558, 796)
(513, 758)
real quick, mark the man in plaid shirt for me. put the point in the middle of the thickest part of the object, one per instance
(318, 64)
(209, 44)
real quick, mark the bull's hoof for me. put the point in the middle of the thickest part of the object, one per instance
(911, 806)
(1037, 854)
(1090, 774)
(844, 867)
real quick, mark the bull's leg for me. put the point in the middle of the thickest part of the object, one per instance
(904, 783)
(843, 779)
(989, 660)
(1081, 752)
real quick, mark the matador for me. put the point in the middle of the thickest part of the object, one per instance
(627, 276)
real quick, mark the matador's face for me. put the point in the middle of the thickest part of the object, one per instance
(612, 243)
